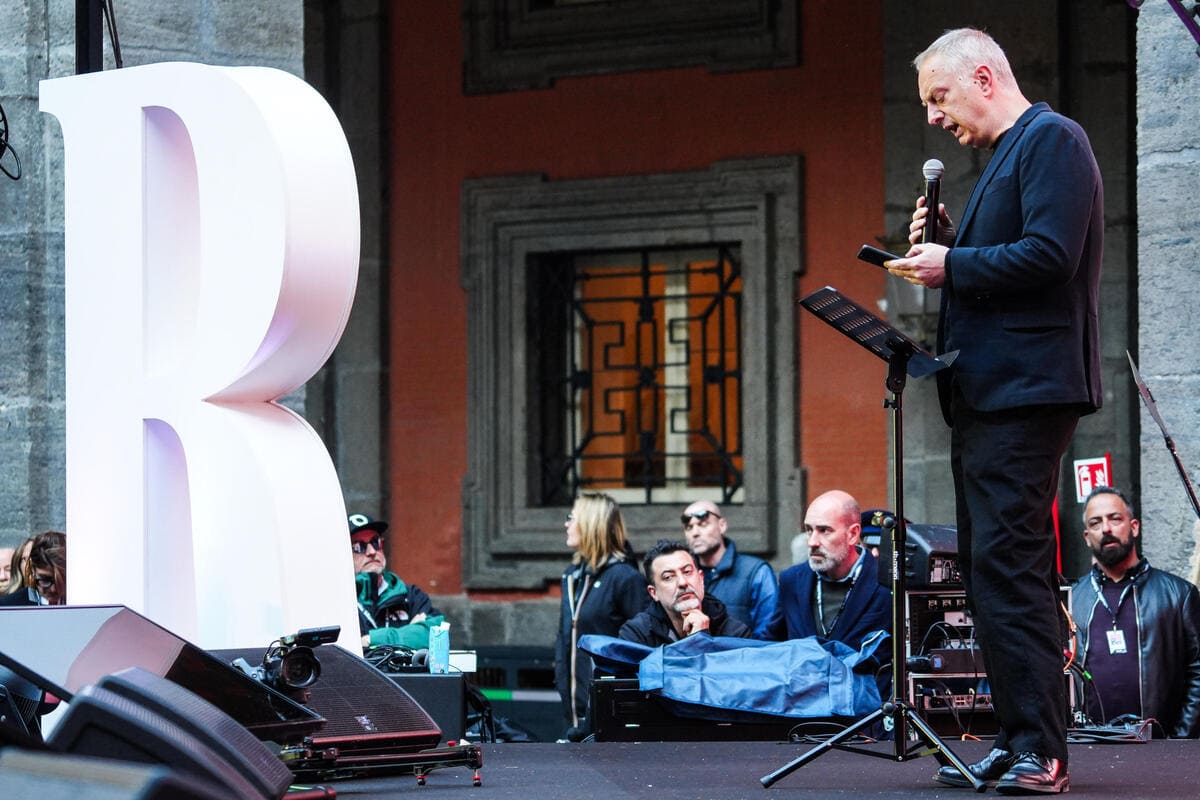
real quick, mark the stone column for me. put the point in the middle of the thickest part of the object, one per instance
(1168, 254)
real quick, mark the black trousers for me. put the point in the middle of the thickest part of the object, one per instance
(1006, 471)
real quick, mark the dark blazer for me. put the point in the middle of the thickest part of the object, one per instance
(1021, 298)
(868, 605)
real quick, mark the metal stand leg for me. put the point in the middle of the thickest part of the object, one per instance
(895, 708)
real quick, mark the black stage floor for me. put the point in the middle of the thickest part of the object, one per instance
(1163, 769)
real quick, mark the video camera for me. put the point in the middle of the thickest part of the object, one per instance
(289, 665)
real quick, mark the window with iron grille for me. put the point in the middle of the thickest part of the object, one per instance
(637, 362)
(634, 335)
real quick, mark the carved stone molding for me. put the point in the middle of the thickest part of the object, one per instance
(527, 44)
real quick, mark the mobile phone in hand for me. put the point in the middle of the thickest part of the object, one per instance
(873, 255)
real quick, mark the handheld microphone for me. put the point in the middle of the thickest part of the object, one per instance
(933, 170)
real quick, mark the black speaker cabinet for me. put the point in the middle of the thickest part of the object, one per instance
(19, 701)
(443, 696)
(135, 716)
(623, 712)
(29, 775)
(366, 713)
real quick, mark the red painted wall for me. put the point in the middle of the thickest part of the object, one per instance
(829, 110)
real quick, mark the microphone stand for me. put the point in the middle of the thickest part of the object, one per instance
(1148, 398)
(904, 357)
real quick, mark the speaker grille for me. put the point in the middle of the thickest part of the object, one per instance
(365, 711)
(106, 725)
(257, 763)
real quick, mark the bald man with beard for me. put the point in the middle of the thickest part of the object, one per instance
(835, 594)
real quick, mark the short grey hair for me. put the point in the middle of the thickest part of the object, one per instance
(962, 49)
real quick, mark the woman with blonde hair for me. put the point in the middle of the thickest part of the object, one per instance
(11, 559)
(602, 589)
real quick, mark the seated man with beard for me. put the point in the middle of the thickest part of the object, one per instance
(681, 609)
(836, 593)
(1139, 627)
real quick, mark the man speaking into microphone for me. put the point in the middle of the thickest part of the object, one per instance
(1020, 281)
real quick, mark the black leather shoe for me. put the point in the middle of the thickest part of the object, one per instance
(988, 770)
(1034, 774)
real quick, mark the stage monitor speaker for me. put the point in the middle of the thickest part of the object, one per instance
(19, 701)
(61, 649)
(443, 696)
(257, 762)
(136, 716)
(54, 776)
(365, 711)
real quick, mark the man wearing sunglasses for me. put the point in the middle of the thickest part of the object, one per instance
(386, 604)
(745, 584)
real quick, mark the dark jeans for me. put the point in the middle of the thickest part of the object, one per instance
(1006, 470)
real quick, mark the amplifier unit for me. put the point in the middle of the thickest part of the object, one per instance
(623, 712)
(965, 660)
(932, 701)
(930, 558)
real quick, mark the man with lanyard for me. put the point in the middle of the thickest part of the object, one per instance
(1139, 627)
(836, 593)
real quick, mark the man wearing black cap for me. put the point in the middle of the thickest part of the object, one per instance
(385, 603)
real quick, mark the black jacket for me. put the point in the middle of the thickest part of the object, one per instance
(1168, 620)
(22, 597)
(653, 627)
(610, 598)
(393, 606)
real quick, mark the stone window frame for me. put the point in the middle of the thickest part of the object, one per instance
(513, 45)
(508, 543)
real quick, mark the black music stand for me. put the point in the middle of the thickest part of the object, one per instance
(904, 357)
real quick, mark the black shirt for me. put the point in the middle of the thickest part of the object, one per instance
(1112, 658)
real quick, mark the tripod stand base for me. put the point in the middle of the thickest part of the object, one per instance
(928, 743)
(902, 356)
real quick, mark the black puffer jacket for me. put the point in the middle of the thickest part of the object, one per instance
(653, 628)
(1168, 620)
